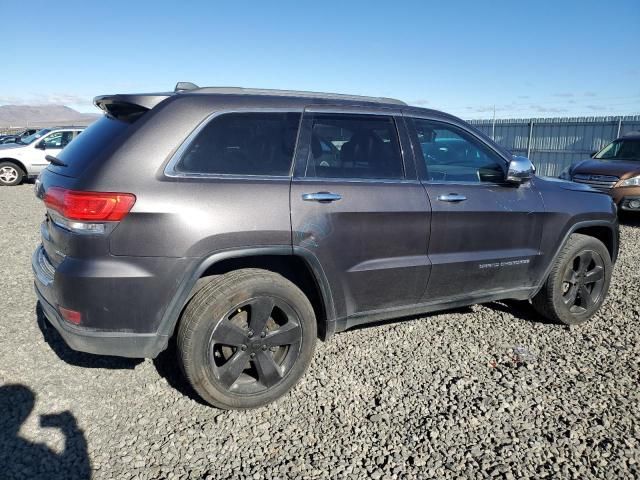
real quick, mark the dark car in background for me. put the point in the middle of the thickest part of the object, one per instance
(246, 223)
(615, 169)
(14, 137)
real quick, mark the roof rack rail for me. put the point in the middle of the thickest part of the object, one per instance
(186, 86)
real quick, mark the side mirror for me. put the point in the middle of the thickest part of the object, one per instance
(521, 170)
(41, 145)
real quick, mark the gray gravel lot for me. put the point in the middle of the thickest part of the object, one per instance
(486, 391)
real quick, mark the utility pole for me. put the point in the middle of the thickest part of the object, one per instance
(493, 124)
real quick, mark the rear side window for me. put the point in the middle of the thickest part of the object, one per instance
(87, 147)
(243, 144)
(354, 146)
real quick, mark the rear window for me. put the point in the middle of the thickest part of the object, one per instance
(89, 145)
(242, 144)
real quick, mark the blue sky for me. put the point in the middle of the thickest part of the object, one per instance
(534, 58)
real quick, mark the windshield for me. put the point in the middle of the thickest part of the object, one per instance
(33, 137)
(620, 150)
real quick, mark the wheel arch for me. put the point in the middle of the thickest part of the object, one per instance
(17, 163)
(300, 268)
(606, 232)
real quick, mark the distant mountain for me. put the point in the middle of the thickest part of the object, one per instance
(43, 116)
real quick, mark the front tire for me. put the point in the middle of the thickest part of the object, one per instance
(10, 174)
(246, 338)
(578, 282)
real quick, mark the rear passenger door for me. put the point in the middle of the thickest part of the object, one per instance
(485, 232)
(359, 209)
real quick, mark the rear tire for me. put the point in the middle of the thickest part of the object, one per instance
(578, 282)
(246, 338)
(10, 174)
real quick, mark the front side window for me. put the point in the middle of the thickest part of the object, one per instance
(354, 146)
(452, 155)
(243, 144)
(58, 139)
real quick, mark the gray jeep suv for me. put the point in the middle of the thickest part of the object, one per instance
(247, 223)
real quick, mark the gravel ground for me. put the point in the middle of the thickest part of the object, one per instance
(485, 391)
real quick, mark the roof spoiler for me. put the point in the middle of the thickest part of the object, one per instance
(128, 107)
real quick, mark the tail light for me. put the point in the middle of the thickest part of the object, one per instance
(84, 211)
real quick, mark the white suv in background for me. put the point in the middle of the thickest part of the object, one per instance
(27, 157)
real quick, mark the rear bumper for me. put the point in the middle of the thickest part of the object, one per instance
(103, 340)
(134, 345)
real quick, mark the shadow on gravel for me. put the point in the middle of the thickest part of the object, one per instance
(167, 367)
(22, 459)
(629, 219)
(166, 363)
(79, 359)
(519, 309)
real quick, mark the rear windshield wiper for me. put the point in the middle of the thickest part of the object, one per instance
(55, 161)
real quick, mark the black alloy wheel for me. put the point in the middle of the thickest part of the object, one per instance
(245, 338)
(583, 281)
(255, 344)
(578, 282)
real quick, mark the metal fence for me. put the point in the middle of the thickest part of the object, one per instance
(554, 143)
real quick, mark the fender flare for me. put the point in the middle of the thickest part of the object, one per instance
(181, 296)
(576, 226)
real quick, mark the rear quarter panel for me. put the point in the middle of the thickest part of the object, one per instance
(194, 218)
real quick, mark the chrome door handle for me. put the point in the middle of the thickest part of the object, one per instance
(324, 197)
(452, 197)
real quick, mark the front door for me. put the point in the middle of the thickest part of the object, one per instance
(485, 233)
(359, 209)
